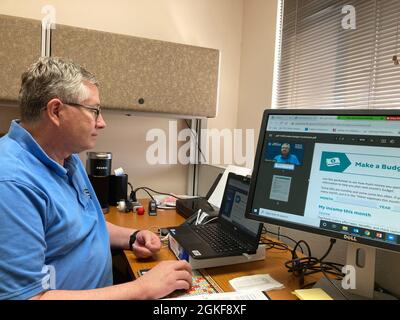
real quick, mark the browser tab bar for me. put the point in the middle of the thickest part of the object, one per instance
(359, 125)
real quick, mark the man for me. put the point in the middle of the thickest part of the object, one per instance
(50, 218)
(286, 156)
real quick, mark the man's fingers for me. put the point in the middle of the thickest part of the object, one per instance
(141, 251)
(182, 285)
(183, 265)
(184, 276)
(149, 239)
(153, 244)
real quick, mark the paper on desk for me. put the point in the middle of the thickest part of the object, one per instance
(261, 282)
(216, 197)
(248, 295)
(165, 201)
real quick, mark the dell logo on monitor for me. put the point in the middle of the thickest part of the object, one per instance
(351, 238)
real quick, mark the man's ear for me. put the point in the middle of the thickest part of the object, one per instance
(53, 109)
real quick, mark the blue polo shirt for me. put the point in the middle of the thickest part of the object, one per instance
(291, 159)
(52, 231)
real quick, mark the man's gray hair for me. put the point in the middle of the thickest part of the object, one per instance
(49, 78)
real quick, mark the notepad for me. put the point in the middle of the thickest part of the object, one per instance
(312, 294)
(245, 295)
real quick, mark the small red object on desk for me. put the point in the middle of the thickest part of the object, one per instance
(140, 211)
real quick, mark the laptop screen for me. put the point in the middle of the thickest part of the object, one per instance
(233, 206)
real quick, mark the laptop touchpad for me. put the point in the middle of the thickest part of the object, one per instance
(189, 236)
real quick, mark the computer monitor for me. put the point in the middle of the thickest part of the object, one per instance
(334, 173)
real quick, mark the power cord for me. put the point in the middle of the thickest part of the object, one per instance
(195, 138)
(279, 235)
(308, 265)
(270, 244)
(132, 195)
(147, 190)
(274, 245)
(333, 283)
(302, 267)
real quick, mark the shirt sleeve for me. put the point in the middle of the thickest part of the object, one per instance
(295, 160)
(22, 241)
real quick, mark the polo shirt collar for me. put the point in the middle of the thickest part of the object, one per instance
(27, 142)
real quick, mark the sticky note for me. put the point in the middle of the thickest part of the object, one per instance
(312, 294)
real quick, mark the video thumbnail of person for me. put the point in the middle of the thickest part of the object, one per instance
(285, 155)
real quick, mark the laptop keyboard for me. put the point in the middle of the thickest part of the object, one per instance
(220, 240)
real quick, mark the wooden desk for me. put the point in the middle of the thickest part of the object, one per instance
(273, 263)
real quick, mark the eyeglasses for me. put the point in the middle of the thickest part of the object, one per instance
(95, 110)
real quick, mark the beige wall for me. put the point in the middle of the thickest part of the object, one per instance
(6, 115)
(257, 62)
(205, 23)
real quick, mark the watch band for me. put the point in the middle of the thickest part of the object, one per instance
(132, 238)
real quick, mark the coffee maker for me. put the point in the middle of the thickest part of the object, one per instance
(99, 171)
(110, 189)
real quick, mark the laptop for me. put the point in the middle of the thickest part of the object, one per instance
(231, 234)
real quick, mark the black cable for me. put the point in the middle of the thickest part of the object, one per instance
(197, 143)
(283, 236)
(302, 267)
(309, 264)
(133, 193)
(306, 244)
(333, 241)
(146, 189)
(333, 283)
(158, 192)
(275, 245)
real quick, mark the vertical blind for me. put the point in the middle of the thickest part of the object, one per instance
(320, 64)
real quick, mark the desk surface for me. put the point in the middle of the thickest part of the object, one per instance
(273, 263)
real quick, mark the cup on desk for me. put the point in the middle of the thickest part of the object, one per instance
(118, 189)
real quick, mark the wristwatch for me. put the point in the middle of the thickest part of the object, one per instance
(132, 238)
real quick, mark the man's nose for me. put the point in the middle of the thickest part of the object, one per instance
(100, 123)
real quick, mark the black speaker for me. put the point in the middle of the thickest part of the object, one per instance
(118, 189)
(101, 186)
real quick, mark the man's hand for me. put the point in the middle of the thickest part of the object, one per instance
(147, 243)
(160, 281)
(165, 278)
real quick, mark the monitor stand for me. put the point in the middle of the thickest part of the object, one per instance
(359, 280)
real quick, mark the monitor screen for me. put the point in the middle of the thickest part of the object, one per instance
(233, 205)
(335, 173)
